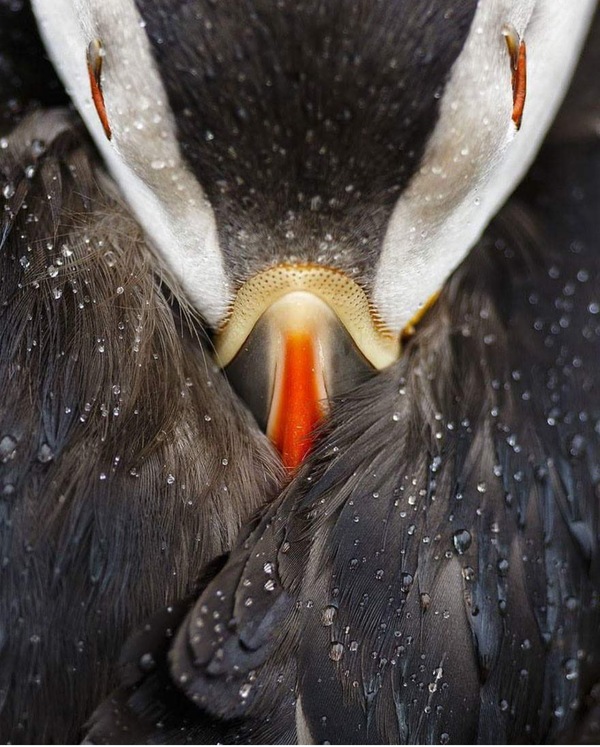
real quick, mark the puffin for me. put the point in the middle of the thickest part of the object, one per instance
(288, 205)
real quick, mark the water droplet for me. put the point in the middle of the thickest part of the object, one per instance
(8, 190)
(24, 262)
(571, 667)
(461, 540)
(328, 615)
(45, 454)
(110, 258)
(8, 448)
(38, 147)
(52, 271)
(577, 447)
(444, 738)
(405, 582)
(503, 567)
(147, 662)
(245, 690)
(336, 651)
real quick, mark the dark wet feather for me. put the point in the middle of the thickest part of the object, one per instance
(27, 79)
(126, 462)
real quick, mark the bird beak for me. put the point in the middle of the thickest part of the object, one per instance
(297, 336)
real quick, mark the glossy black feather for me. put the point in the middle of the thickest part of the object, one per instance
(126, 462)
(150, 707)
(27, 79)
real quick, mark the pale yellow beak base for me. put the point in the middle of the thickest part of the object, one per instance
(343, 296)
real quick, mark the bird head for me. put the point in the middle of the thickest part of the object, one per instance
(311, 172)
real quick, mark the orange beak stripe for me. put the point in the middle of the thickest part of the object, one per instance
(296, 408)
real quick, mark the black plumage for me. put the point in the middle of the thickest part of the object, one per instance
(27, 78)
(126, 462)
(300, 119)
(431, 574)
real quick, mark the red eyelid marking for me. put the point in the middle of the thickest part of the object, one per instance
(518, 64)
(94, 63)
(520, 86)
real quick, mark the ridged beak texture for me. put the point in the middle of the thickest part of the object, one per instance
(296, 336)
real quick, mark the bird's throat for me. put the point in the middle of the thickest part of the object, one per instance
(296, 337)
